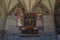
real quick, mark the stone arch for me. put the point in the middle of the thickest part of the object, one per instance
(12, 16)
(14, 9)
(41, 7)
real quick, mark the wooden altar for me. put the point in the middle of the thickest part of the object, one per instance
(29, 21)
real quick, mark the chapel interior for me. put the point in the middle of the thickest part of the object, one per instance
(29, 19)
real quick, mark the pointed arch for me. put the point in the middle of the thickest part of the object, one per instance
(16, 6)
(42, 7)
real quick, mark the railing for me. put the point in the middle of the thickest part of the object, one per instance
(16, 36)
(48, 37)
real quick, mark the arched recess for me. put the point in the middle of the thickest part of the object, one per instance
(18, 6)
(45, 11)
(41, 8)
(12, 17)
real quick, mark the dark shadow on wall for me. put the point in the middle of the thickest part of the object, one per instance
(57, 17)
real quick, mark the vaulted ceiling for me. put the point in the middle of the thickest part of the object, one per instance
(29, 4)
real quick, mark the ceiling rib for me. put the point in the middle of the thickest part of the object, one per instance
(23, 4)
(29, 5)
(20, 4)
(50, 4)
(9, 5)
(36, 4)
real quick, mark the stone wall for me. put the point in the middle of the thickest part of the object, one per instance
(48, 22)
(49, 27)
(11, 24)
